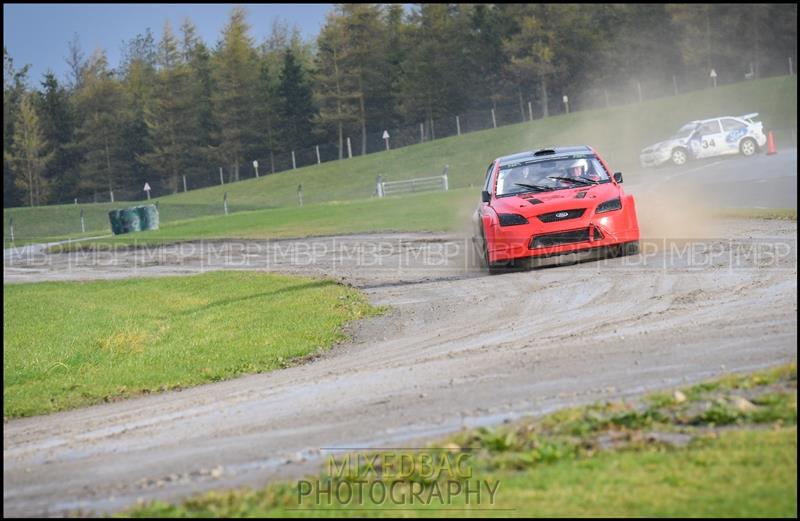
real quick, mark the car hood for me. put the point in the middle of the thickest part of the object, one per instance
(532, 204)
(667, 143)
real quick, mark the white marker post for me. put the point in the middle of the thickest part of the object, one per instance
(83, 223)
(386, 138)
(565, 99)
(349, 149)
(713, 76)
(255, 166)
(494, 120)
(147, 189)
(221, 180)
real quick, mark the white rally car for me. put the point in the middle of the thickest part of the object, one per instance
(708, 138)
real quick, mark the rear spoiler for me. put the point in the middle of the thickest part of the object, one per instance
(749, 117)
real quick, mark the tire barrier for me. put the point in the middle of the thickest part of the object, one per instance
(135, 219)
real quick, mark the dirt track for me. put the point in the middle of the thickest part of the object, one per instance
(459, 348)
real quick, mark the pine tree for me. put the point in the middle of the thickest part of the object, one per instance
(296, 104)
(58, 121)
(173, 122)
(100, 136)
(335, 88)
(29, 152)
(13, 92)
(235, 77)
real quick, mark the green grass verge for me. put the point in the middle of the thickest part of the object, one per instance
(667, 454)
(618, 133)
(441, 211)
(68, 344)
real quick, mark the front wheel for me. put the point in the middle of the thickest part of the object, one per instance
(679, 157)
(748, 147)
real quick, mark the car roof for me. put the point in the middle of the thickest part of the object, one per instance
(548, 152)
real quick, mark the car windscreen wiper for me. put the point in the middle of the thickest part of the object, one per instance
(539, 188)
(582, 181)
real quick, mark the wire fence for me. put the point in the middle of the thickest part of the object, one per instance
(508, 113)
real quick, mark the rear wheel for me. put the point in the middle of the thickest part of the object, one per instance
(748, 147)
(679, 157)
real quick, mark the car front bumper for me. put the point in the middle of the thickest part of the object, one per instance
(548, 239)
(654, 158)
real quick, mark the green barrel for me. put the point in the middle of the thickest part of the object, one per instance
(133, 219)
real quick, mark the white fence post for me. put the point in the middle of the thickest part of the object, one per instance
(184, 183)
(225, 202)
(530, 111)
(294, 162)
(221, 179)
(318, 159)
(379, 185)
(83, 223)
(458, 126)
(494, 120)
(444, 177)
(349, 149)
(421, 132)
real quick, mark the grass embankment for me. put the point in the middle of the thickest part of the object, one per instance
(618, 133)
(68, 344)
(725, 448)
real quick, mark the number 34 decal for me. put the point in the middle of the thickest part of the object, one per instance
(708, 143)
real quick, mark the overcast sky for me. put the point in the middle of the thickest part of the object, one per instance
(39, 34)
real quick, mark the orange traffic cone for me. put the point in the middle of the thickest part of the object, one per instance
(771, 144)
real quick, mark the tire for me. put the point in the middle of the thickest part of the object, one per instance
(494, 268)
(748, 147)
(679, 156)
(629, 248)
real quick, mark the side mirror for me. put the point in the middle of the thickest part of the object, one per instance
(486, 197)
(618, 177)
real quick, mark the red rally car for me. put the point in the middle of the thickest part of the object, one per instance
(552, 202)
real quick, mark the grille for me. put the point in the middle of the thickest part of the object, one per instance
(557, 239)
(558, 216)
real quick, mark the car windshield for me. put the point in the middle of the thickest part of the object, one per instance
(550, 174)
(685, 131)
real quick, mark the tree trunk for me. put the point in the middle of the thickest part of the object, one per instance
(545, 111)
(363, 125)
(108, 169)
(341, 140)
(29, 175)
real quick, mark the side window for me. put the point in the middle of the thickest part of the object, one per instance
(729, 124)
(710, 127)
(488, 177)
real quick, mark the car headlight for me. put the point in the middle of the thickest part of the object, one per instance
(511, 219)
(610, 205)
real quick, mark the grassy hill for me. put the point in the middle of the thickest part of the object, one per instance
(618, 133)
